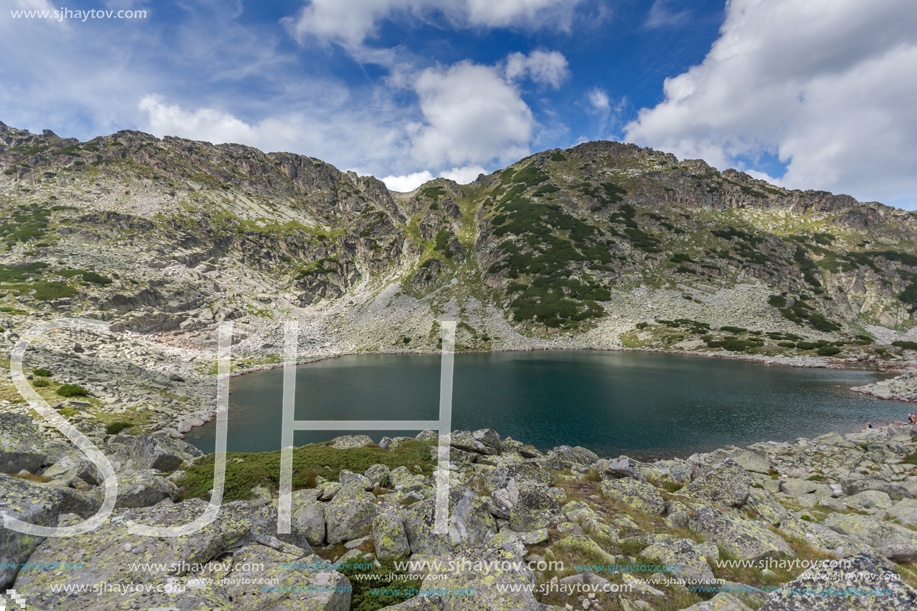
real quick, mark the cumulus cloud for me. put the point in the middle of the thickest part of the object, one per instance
(472, 115)
(543, 67)
(407, 182)
(599, 101)
(464, 175)
(336, 134)
(352, 22)
(202, 124)
(825, 85)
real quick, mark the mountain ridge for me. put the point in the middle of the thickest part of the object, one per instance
(604, 245)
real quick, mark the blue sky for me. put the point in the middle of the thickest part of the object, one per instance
(806, 93)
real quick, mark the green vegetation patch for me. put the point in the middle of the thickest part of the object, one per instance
(377, 588)
(96, 278)
(639, 239)
(247, 471)
(116, 427)
(808, 268)
(318, 267)
(46, 291)
(434, 192)
(443, 237)
(550, 242)
(744, 244)
(72, 390)
(798, 311)
(21, 273)
(545, 190)
(27, 223)
(909, 295)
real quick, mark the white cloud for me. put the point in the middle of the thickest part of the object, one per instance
(335, 134)
(349, 22)
(202, 124)
(663, 14)
(464, 175)
(543, 67)
(472, 115)
(513, 12)
(599, 100)
(353, 21)
(408, 182)
(826, 85)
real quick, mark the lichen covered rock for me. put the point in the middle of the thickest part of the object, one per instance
(686, 558)
(848, 584)
(744, 539)
(21, 445)
(29, 502)
(635, 493)
(389, 538)
(349, 515)
(726, 484)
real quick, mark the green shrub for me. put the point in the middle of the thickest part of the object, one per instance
(41, 383)
(828, 351)
(545, 190)
(905, 345)
(72, 390)
(778, 301)
(379, 587)
(95, 278)
(530, 176)
(434, 192)
(442, 242)
(44, 373)
(116, 427)
(736, 345)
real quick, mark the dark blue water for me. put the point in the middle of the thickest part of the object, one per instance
(641, 404)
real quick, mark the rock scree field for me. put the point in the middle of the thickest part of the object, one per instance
(816, 524)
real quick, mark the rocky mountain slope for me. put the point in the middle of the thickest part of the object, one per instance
(604, 245)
